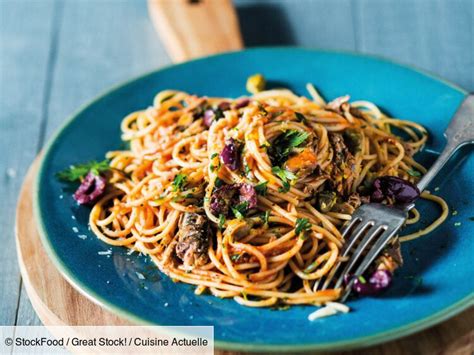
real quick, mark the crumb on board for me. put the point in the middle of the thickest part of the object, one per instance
(11, 173)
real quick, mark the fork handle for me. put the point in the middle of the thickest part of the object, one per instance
(459, 133)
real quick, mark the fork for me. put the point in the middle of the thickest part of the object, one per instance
(376, 224)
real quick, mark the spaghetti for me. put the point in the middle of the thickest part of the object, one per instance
(244, 198)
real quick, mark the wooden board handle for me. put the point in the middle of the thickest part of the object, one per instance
(195, 28)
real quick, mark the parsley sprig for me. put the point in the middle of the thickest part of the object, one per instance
(78, 171)
(413, 172)
(302, 225)
(285, 176)
(240, 210)
(179, 182)
(283, 145)
(265, 217)
(261, 188)
(221, 221)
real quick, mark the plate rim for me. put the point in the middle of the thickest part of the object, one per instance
(360, 342)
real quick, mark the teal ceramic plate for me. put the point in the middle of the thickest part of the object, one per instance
(434, 284)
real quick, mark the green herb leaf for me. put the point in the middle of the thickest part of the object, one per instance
(261, 188)
(302, 225)
(240, 210)
(283, 145)
(246, 169)
(310, 268)
(300, 117)
(78, 171)
(284, 175)
(218, 182)
(221, 221)
(265, 217)
(179, 182)
(285, 188)
(235, 257)
(214, 155)
(362, 279)
(414, 173)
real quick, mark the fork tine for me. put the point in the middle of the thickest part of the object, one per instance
(370, 257)
(349, 225)
(371, 234)
(355, 235)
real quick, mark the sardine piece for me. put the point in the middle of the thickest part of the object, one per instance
(193, 240)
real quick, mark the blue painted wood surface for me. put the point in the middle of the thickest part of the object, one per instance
(56, 55)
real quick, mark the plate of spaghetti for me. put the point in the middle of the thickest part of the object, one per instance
(207, 194)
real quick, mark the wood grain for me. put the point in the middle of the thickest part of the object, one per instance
(22, 100)
(436, 35)
(118, 43)
(191, 29)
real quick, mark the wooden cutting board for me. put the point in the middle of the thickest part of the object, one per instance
(58, 303)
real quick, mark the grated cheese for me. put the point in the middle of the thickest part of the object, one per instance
(340, 307)
(321, 313)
